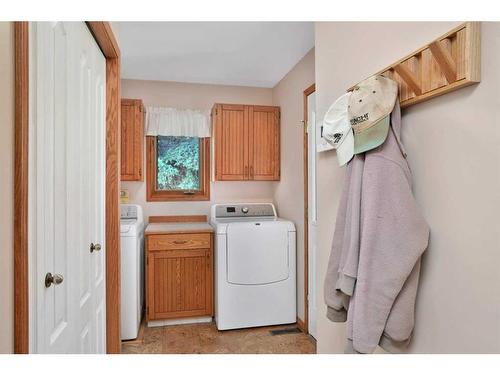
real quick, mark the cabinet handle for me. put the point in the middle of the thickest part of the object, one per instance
(251, 171)
(180, 242)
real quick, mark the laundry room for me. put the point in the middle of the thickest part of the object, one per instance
(208, 186)
(212, 187)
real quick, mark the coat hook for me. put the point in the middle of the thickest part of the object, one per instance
(444, 60)
(409, 78)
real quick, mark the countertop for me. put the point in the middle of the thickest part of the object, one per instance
(164, 228)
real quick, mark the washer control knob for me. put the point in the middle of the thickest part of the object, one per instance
(244, 210)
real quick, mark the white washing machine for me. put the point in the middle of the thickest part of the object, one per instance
(132, 269)
(254, 266)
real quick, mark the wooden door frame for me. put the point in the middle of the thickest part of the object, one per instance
(305, 323)
(106, 40)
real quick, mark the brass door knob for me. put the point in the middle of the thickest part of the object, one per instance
(53, 279)
(95, 247)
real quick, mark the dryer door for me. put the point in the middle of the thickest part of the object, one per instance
(257, 252)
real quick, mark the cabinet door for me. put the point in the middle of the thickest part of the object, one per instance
(179, 283)
(231, 146)
(264, 143)
(132, 140)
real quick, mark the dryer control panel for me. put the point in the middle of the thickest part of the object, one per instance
(243, 210)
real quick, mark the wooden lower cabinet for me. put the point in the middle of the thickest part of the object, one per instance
(179, 275)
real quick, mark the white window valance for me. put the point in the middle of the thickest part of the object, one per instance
(177, 122)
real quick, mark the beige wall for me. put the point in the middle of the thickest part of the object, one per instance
(6, 186)
(453, 147)
(197, 96)
(289, 192)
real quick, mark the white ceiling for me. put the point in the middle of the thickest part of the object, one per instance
(227, 53)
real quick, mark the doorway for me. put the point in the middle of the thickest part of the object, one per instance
(310, 209)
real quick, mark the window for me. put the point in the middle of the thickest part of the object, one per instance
(177, 163)
(178, 168)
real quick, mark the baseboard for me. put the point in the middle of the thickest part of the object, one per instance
(301, 325)
(172, 322)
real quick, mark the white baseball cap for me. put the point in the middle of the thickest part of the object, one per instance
(337, 129)
(370, 107)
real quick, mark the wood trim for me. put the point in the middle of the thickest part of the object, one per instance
(153, 195)
(149, 281)
(304, 325)
(308, 92)
(301, 325)
(105, 38)
(21, 278)
(178, 219)
(113, 261)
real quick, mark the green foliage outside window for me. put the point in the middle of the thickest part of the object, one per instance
(178, 163)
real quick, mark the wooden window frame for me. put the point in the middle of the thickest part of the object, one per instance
(155, 195)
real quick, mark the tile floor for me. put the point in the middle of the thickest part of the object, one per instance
(206, 339)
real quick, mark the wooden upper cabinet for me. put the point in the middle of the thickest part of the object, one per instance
(247, 142)
(132, 140)
(264, 143)
(231, 146)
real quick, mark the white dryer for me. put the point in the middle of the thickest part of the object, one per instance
(255, 276)
(132, 269)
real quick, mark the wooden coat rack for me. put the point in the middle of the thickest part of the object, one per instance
(448, 63)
